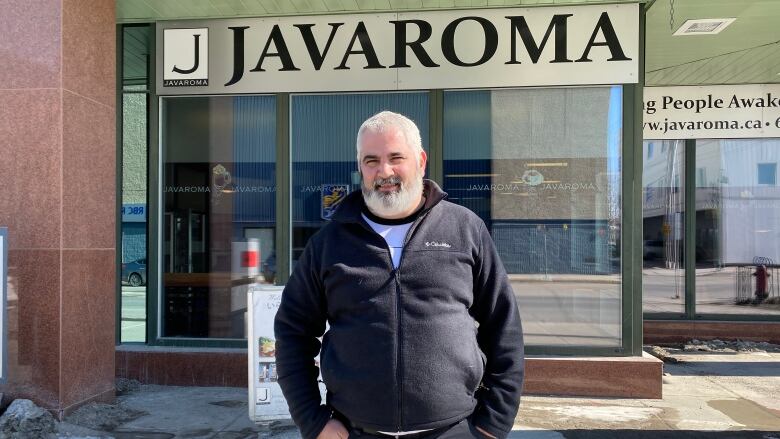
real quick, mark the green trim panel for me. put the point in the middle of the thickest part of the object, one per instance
(154, 194)
(129, 11)
(690, 228)
(636, 203)
(436, 134)
(283, 191)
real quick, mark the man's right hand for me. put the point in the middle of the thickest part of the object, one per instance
(334, 429)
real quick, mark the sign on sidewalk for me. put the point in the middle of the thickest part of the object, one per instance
(266, 402)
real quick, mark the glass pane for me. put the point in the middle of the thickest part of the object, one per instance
(541, 167)
(663, 204)
(134, 217)
(323, 136)
(135, 57)
(737, 227)
(219, 194)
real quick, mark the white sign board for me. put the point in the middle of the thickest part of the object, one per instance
(133, 213)
(712, 112)
(266, 402)
(508, 47)
(3, 312)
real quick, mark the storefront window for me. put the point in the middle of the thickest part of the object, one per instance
(217, 229)
(542, 168)
(324, 164)
(663, 207)
(134, 215)
(737, 227)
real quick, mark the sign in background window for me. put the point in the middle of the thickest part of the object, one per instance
(219, 211)
(541, 167)
(324, 155)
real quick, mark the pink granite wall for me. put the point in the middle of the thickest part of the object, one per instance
(682, 331)
(57, 171)
(622, 377)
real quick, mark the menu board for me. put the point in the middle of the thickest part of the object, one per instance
(266, 402)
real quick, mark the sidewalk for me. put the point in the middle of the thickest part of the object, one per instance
(706, 395)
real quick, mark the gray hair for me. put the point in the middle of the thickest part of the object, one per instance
(387, 120)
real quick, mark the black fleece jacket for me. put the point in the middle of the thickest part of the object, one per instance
(407, 348)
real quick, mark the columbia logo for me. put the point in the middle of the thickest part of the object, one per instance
(437, 244)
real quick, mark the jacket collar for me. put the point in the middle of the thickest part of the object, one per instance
(349, 211)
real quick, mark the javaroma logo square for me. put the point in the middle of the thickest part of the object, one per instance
(186, 57)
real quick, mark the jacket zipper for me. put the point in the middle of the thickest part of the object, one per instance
(399, 357)
(398, 361)
(396, 272)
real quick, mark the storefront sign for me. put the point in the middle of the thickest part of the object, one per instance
(593, 44)
(712, 112)
(3, 305)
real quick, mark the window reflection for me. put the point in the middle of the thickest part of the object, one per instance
(134, 216)
(663, 204)
(324, 166)
(219, 196)
(737, 227)
(541, 167)
(134, 213)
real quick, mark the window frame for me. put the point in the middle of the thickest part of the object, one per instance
(119, 115)
(691, 313)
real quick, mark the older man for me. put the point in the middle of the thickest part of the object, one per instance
(425, 338)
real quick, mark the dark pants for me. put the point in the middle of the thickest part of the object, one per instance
(461, 430)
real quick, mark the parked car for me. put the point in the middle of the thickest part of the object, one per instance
(134, 273)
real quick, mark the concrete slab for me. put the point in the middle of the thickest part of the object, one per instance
(186, 411)
(709, 395)
(692, 413)
(747, 412)
(694, 386)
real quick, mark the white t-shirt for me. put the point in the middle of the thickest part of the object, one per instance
(394, 236)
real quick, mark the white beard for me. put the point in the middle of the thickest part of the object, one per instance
(389, 204)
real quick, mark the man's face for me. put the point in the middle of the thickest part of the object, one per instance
(392, 173)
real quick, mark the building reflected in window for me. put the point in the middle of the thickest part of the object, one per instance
(737, 227)
(663, 228)
(542, 169)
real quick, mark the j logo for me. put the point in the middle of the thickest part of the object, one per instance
(262, 395)
(197, 59)
(185, 57)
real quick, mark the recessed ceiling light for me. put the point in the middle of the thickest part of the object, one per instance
(704, 26)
